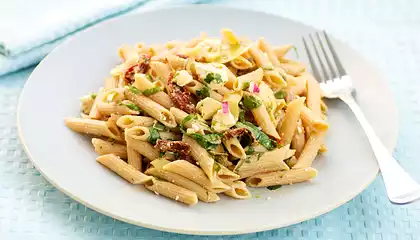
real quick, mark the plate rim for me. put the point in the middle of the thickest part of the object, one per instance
(345, 199)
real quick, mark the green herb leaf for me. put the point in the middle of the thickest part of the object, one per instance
(268, 68)
(131, 106)
(208, 141)
(151, 91)
(203, 92)
(93, 96)
(242, 116)
(296, 52)
(185, 120)
(134, 90)
(216, 167)
(249, 150)
(280, 94)
(213, 77)
(251, 102)
(261, 137)
(148, 76)
(161, 154)
(246, 85)
(275, 187)
(175, 75)
(154, 135)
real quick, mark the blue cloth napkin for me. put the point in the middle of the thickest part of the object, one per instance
(39, 26)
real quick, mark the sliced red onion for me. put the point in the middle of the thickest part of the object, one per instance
(256, 89)
(225, 107)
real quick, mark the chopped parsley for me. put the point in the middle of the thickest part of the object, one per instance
(151, 91)
(208, 141)
(154, 135)
(280, 94)
(261, 137)
(245, 85)
(93, 96)
(175, 75)
(251, 102)
(275, 187)
(203, 92)
(134, 90)
(216, 77)
(161, 154)
(242, 116)
(216, 167)
(131, 106)
(296, 52)
(148, 76)
(185, 120)
(249, 150)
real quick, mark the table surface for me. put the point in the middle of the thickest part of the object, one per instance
(386, 32)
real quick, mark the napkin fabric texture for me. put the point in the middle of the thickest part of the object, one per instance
(29, 30)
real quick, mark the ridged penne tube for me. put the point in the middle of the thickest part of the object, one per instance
(103, 147)
(195, 174)
(107, 109)
(205, 161)
(298, 140)
(123, 169)
(313, 95)
(180, 115)
(152, 108)
(281, 51)
(312, 121)
(172, 191)
(293, 68)
(225, 175)
(129, 121)
(110, 83)
(260, 58)
(281, 177)
(144, 148)
(242, 82)
(238, 190)
(309, 152)
(195, 85)
(138, 133)
(202, 193)
(94, 112)
(175, 62)
(128, 52)
(115, 95)
(265, 47)
(93, 127)
(143, 84)
(263, 119)
(241, 63)
(160, 70)
(290, 121)
(298, 86)
(134, 158)
(234, 147)
(275, 78)
(267, 162)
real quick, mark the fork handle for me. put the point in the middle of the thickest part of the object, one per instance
(401, 188)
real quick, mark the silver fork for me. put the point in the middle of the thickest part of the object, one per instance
(401, 188)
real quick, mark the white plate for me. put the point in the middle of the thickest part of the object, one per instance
(79, 66)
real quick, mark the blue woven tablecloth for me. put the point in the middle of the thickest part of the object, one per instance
(387, 32)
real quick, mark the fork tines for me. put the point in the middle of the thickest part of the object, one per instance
(324, 50)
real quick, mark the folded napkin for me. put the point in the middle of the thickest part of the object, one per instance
(29, 30)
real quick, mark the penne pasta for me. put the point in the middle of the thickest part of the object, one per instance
(110, 83)
(172, 191)
(137, 133)
(312, 121)
(134, 158)
(144, 85)
(281, 51)
(152, 108)
(313, 99)
(201, 156)
(281, 177)
(202, 193)
(129, 121)
(309, 152)
(234, 147)
(195, 174)
(144, 148)
(290, 122)
(238, 190)
(298, 140)
(265, 162)
(126, 171)
(93, 127)
(103, 147)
